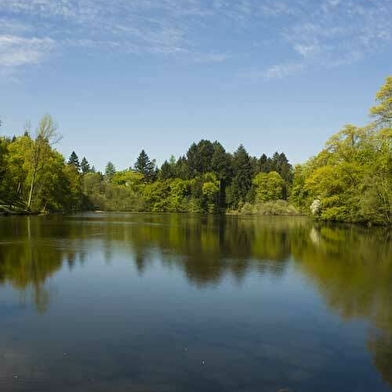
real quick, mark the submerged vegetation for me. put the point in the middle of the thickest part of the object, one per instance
(350, 180)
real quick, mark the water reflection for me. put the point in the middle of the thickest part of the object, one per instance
(380, 345)
(350, 266)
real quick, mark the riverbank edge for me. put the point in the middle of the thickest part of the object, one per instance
(225, 213)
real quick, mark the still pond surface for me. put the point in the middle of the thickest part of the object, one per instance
(122, 302)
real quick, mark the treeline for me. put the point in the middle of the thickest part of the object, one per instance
(349, 180)
(207, 179)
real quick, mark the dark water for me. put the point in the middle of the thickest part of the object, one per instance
(117, 302)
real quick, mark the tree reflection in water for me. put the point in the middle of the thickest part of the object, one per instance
(350, 266)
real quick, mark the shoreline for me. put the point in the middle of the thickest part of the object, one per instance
(228, 213)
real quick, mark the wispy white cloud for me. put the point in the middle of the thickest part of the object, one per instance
(323, 33)
(212, 57)
(13, 26)
(336, 33)
(280, 71)
(281, 8)
(17, 51)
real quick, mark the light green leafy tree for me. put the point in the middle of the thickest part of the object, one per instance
(40, 152)
(268, 187)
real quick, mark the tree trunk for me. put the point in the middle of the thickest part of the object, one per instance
(31, 190)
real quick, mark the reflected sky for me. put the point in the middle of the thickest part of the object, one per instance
(191, 303)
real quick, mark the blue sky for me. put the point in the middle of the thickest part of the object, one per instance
(122, 75)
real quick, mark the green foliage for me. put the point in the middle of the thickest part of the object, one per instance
(128, 178)
(110, 171)
(299, 195)
(242, 181)
(278, 207)
(352, 176)
(85, 166)
(146, 167)
(350, 180)
(221, 163)
(167, 171)
(156, 196)
(268, 187)
(199, 157)
(122, 194)
(210, 190)
(383, 111)
(74, 160)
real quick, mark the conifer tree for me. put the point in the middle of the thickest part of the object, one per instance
(242, 180)
(145, 166)
(74, 160)
(85, 166)
(110, 171)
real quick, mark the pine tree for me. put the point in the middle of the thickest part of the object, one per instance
(264, 164)
(199, 157)
(242, 180)
(182, 169)
(145, 166)
(85, 166)
(166, 171)
(221, 162)
(110, 171)
(74, 160)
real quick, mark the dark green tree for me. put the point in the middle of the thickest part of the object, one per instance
(242, 180)
(264, 164)
(85, 166)
(254, 162)
(182, 169)
(221, 165)
(145, 166)
(221, 162)
(74, 160)
(199, 157)
(167, 171)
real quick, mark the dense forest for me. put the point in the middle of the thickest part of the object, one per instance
(350, 180)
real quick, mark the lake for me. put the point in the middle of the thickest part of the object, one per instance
(137, 302)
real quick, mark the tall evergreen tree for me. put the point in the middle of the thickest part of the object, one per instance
(221, 165)
(85, 166)
(221, 162)
(254, 162)
(74, 160)
(110, 171)
(242, 180)
(199, 157)
(264, 166)
(182, 169)
(166, 172)
(145, 166)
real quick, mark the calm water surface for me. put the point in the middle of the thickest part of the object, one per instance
(122, 302)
